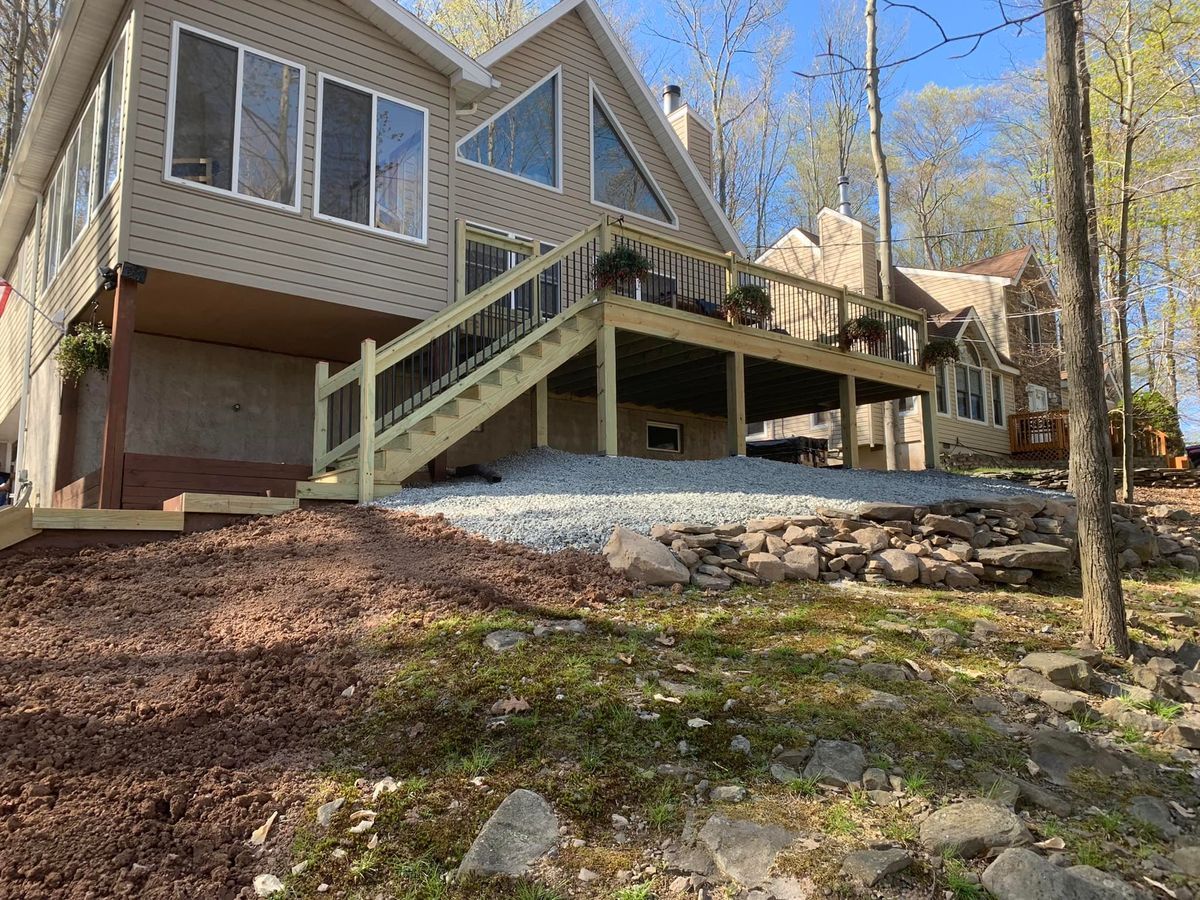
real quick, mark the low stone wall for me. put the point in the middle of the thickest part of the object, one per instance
(1055, 479)
(960, 545)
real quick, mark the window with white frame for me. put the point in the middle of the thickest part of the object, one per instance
(235, 119)
(997, 400)
(1039, 398)
(372, 168)
(969, 386)
(619, 178)
(524, 138)
(665, 437)
(90, 166)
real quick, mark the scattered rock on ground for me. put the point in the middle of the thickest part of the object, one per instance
(1018, 874)
(640, 558)
(744, 851)
(521, 831)
(973, 827)
(872, 866)
(836, 763)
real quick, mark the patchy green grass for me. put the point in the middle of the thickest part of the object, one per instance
(599, 725)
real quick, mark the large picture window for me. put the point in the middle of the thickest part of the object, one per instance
(969, 386)
(619, 179)
(90, 165)
(235, 119)
(522, 139)
(371, 165)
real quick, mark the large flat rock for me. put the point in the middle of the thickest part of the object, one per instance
(643, 559)
(1018, 874)
(1039, 556)
(744, 851)
(521, 831)
(973, 827)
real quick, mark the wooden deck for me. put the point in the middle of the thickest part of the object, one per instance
(1046, 436)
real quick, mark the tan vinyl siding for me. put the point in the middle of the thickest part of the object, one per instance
(495, 200)
(848, 253)
(186, 230)
(696, 139)
(956, 291)
(796, 254)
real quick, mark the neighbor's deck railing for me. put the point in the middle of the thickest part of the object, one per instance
(1046, 435)
(507, 288)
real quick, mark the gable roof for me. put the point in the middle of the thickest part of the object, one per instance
(77, 49)
(952, 325)
(1004, 265)
(639, 92)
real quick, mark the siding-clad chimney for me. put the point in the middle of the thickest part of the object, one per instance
(695, 136)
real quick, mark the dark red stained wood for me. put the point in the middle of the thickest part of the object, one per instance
(68, 417)
(83, 493)
(151, 480)
(120, 367)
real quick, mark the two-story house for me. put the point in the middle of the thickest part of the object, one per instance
(1000, 312)
(333, 249)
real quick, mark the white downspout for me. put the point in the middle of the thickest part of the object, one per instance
(27, 371)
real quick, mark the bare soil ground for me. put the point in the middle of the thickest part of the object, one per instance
(158, 703)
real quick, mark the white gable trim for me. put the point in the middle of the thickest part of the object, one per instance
(598, 97)
(631, 79)
(973, 317)
(779, 245)
(557, 187)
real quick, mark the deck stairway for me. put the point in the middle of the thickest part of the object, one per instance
(415, 396)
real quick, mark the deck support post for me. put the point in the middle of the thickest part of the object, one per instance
(116, 414)
(320, 417)
(606, 391)
(541, 414)
(848, 398)
(928, 430)
(735, 403)
(366, 423)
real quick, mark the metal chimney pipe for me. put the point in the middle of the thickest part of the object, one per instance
(843, 195)
(672, 98)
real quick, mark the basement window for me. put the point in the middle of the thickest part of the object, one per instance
(664, 437)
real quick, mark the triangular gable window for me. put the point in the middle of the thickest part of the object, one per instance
(618, 177)
(522, 139)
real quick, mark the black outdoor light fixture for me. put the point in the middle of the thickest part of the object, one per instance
(128, 271)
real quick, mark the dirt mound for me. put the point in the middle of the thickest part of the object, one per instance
(158, 703)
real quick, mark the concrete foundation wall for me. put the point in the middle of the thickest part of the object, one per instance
(572, 427)
(41, 446)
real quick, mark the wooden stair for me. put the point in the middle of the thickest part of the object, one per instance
(404, 447)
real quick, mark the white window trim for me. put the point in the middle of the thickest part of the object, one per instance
(169, 152)
(983, 378)
(94, 201)
(951, 379)
(1045, 393)
(594, 97)
(670, 426)
(1003, 423)
(557, 187)
(376, 96)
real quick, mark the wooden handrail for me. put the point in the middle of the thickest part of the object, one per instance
(476, 301)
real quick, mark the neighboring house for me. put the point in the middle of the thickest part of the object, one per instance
(999, 310)
(335, 246)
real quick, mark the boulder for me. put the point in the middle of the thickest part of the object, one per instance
(1018, 874)
(1041, 557)
(886, 672)
(1064, 702)
(767, 566)
(640, 558)
(1065, 671)
(1183, 735)
(744, 851)
(960, 578)
(802, 563)
(871, 866)
(1155, 813)
(836, 763)
(887, 512)
(872, 539)
(973, 827)
(521, 831)
(504, 639)
(950, 525)
(1188, 861)
(1059, 753)
(898, 565)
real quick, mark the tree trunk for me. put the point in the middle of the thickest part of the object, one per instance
(1089, 154)
(1103, 603)
(1170, 319)
(885, 209)
(1121, 301)
(15, 112)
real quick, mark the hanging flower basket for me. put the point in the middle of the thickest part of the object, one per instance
(866, 329)
(86, 347)
(619, 267)
(939, 352)
(747, 304)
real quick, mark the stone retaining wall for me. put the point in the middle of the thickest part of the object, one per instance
(959, 544)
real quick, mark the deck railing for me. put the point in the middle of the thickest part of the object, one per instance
(507, 288)
(1046, 435)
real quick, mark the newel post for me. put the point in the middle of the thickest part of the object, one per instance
(366, 424)
(320, 418)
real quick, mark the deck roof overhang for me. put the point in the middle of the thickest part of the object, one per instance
(676, 360)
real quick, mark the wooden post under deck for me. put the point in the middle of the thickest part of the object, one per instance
(606, 391)
(541, 414)
(927, 428)
(366, 424)
(849, 407)
(735, 403)
(120, 369)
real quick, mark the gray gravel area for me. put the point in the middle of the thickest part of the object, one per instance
(550, 499)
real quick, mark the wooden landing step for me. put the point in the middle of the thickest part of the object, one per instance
(230, 504)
